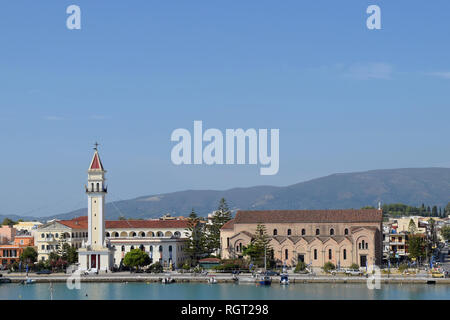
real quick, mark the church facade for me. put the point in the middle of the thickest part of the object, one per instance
(343, 237)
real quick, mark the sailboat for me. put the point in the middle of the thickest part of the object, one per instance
(264, 279)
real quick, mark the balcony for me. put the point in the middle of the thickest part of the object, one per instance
(96, 189)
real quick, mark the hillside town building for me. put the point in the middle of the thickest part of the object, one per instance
(315, 237)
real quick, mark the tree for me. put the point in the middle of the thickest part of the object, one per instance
(218, 219)
(196, 243)
(412, 227)
(29, 255)
(259, 244)
(136, 258)
(416, 247)
(122, 218)
(434, 211)
(447, 208)
(8, 222)
(69, 253)
(445, 232)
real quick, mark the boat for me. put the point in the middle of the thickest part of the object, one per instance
(5, 280)
(264, 280)
(28, 281)
(212, 280)
(167, 280)
(284, 279)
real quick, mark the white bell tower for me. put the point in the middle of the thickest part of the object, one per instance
(96, 191)
(95, 254)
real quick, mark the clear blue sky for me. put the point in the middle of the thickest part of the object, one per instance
(344, 98)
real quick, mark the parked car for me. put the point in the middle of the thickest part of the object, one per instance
(43, 272)
(272, 273)
(353, 272)
(88, 272)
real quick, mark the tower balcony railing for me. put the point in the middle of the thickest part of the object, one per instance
(95, 189)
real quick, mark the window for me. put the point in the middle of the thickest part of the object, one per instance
(275, 232)
(170, 248)
(303, 232)
(317, 232)
(359, 245)
(346, 231)
(42, 235)
(132, 248)
(367, 246)
(315, 254)
(286, 253)
(331, 232)
(345, 254)
(289, 232)
(228, 242)
(330, 254)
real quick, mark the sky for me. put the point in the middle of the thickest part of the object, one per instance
(345, 98)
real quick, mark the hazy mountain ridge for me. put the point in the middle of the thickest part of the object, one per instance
(337, 191)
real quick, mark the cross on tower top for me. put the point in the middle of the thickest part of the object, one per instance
(96, 146)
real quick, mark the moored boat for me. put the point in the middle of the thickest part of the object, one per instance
(212, 280)
(264, 280)
(284, 279)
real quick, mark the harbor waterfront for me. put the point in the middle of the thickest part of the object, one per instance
(126, 277)
(222, 291)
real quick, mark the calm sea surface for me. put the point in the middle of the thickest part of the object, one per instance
(197, 291)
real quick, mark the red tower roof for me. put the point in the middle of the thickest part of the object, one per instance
(96, 163)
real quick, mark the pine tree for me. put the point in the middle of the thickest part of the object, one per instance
(218, 219)
(196, 238)
(259, 244)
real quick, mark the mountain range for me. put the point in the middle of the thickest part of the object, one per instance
(412, 186)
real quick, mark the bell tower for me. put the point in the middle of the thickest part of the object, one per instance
(96, 191)
(96, 254)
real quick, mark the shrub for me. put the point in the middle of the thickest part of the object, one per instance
(354, 266)
(156, 268)
(328, 266)
(301, 266)
(402, 267)
(186, 267)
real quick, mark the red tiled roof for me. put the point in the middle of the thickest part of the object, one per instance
(82, 223)
(123, 224)
(228, 225)
(75, 224)
(292, 216)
